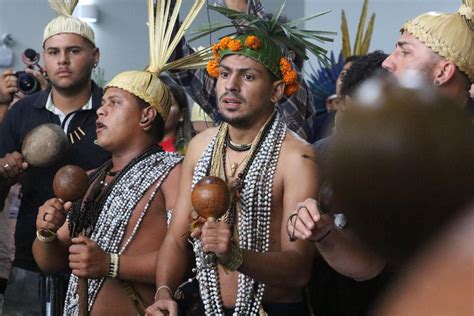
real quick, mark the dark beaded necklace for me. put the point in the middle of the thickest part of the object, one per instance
(86, 212)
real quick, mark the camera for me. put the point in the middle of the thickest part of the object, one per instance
(27, 83)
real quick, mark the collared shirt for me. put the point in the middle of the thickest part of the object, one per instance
(62, 116)
(25, 115)
(298, 110)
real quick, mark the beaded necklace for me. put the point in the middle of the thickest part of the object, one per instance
(116, 207)
(253, 218)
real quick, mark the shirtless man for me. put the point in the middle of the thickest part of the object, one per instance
(131, 194)
(270, 167)
(127, 127)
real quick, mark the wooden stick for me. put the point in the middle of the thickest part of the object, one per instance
(83, 296)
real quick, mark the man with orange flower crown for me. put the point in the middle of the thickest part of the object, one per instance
(256, 269)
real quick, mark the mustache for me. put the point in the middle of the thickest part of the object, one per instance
(233, 95)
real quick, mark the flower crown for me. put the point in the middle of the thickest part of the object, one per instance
(288, 73)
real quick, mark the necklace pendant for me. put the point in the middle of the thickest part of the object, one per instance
(233, 169)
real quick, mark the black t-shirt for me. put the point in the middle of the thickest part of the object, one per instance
(25, 115)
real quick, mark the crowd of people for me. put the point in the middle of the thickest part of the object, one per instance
(374, 219)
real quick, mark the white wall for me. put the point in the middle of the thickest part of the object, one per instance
(121, 30)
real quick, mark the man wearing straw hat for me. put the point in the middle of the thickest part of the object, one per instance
(70, 55)
(441, 47)
(131, 197)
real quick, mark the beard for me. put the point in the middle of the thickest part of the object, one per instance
(240, 121)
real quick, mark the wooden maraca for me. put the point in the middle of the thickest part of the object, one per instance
(70, 183)
(44, 145)
(211, 197)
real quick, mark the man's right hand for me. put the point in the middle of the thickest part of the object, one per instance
(8, 86)
(162, 307)
(11, 167)
(52, 215)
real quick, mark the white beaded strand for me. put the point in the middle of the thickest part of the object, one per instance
(117, 210)
(253, 226)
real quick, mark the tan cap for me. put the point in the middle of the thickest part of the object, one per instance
(451, 35)
(66, 23)
(147, 86)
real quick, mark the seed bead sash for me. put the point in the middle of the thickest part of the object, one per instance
(117, 209)
(253, 218)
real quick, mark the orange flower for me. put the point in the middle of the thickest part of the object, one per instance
(215, 51)
(252, 42)
(291, 89)
(225, 42)
(235, 45)
(285, 65)
(290, 77)
(213, 68)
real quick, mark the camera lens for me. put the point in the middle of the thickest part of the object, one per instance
(27, 83)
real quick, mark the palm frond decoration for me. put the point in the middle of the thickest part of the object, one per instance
(362, 40)
(287, 35)
(322, 82)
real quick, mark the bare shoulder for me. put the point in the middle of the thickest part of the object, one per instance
(199, 143)
(297, 150)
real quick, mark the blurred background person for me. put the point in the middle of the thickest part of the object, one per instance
(411, 154)
(323, 125)
(200, 119)
(178, 127)
(347, 276)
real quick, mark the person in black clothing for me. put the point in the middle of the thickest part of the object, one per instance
(349, 286)
(71, 100)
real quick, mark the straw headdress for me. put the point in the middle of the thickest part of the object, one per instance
(146, 84)
(66, 23)
(451, 35)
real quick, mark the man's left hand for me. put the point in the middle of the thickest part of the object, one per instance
(87, 259)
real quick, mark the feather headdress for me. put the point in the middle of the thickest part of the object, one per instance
(66, 23)
(146, 84)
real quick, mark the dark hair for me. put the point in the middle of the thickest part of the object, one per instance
(352, 59)
(158, 128)
(362, 68)
(185, 128)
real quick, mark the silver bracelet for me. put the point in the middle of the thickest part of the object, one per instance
(160, 288)
(113, 266)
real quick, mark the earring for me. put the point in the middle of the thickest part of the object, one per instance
(437, 83)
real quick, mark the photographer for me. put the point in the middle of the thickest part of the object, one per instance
(9, 90)
(70, 101)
